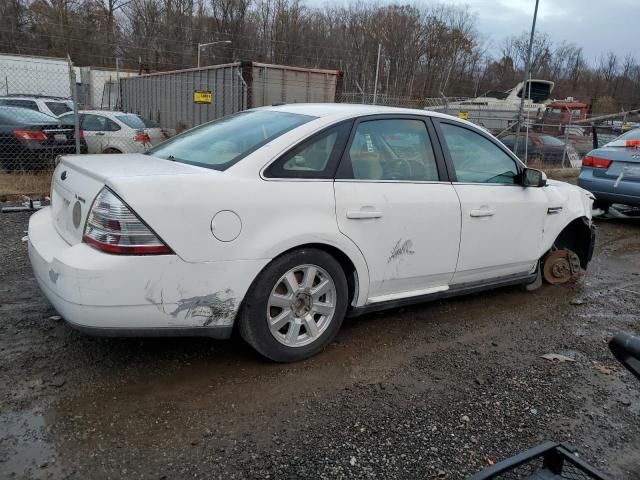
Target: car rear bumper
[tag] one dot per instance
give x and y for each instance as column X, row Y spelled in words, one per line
column 626, row 192
column 153, row 295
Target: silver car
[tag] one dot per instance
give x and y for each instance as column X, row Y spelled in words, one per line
column 612, row 173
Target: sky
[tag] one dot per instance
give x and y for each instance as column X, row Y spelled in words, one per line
column 595, row 25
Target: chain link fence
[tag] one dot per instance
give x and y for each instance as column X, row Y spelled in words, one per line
column 38, row 122
column 556, row 136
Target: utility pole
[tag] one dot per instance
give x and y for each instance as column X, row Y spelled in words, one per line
column 525, row 78
column 375, row 85
column 200, row 45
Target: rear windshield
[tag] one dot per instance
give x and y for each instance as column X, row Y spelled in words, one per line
column 136, row 121
column 630, row 135
column 548, row 140
column 221, row 143
column 11, row 115
column 58, row 108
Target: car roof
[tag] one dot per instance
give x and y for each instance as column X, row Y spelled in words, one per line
column 349, row 110
column 19, row 96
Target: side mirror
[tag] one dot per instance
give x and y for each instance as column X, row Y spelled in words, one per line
column 533, row 178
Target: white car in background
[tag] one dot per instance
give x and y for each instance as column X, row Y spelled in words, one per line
column 285, row 219
column 53, row 106
column 118, row 132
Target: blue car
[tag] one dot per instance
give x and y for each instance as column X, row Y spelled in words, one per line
column 612, row 172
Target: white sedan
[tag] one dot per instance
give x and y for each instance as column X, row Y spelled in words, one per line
column 284, row 219
column 118, row 132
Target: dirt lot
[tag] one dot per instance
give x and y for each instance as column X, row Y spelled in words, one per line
column 434, row 391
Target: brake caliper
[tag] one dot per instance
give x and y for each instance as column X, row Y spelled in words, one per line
column 560, row 266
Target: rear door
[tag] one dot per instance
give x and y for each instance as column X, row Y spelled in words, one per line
column 94, row 129
column 502, row 221
column 393, row 200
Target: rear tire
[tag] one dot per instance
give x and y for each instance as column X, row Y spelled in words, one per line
column 112, row 150
column 295, row 306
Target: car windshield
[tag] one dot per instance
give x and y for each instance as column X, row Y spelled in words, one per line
column 221, row 143
column 58, row 108
column 136, row 121
column 13, row 115
column 549, row 140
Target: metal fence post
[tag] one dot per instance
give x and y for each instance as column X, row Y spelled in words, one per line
column 74, row 94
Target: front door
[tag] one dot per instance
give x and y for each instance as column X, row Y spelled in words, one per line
column 393, row 202
column 502, row 221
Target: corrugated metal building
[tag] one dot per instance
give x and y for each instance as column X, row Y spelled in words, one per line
column 185, row 98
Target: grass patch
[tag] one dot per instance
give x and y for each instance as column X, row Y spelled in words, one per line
column 33, row 184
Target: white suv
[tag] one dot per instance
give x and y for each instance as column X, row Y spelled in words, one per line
column 54, row 106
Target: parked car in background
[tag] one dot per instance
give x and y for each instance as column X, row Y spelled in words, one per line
column 54, row 106
column 31, row 140
column 285, row 219
column 543, row 147
column 118, row 132
column 612, row 172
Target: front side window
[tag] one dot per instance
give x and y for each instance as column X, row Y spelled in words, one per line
column 476, row 159
column 314, row 158
column 394, row 149
column 94, row 123
column 221, row 143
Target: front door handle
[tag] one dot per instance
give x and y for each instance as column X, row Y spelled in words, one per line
column 100, row 133
column 363, row 214
column 482, row 212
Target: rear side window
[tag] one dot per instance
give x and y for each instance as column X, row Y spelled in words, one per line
column 477, row 159
column 10, row 102
column 58, row 108
column 221, row 143
column 314, row 158
column 393, row 149
column 132, row 121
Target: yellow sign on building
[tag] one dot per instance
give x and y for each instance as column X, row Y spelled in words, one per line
column 463, row 115
column 202, row 96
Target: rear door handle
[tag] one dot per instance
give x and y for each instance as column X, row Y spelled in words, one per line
column 100, row 133
column 363, row 214
column 482, row 212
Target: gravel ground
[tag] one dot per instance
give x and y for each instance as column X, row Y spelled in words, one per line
column 434, row 391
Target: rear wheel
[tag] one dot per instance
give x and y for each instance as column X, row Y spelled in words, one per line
column 296, row 306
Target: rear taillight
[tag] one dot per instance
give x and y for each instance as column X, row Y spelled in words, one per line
column 113, row 227
column 81, row 135
column 595, row 162
column 34, row 135
column 142, row 137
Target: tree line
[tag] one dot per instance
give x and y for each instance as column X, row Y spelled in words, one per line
column 427, row 50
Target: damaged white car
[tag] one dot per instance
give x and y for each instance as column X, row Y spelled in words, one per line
column 281, row 221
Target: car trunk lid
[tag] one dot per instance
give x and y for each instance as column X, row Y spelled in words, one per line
column 625, row 163
column 77, row 180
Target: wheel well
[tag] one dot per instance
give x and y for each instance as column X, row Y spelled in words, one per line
column 345, row 262
column 577, row 237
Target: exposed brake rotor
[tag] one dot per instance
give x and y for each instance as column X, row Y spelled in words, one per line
column 560, row 266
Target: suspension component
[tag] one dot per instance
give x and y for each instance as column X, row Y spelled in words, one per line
column 560, row 266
